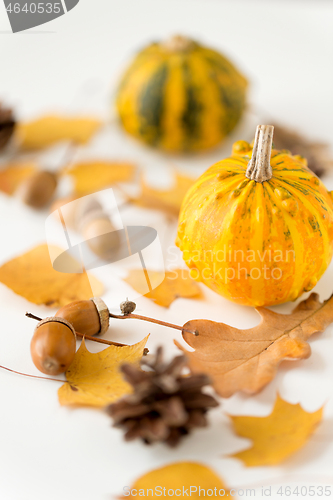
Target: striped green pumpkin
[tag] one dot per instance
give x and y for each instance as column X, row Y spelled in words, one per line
column 181, row 96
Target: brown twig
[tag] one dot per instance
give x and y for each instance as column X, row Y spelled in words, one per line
column 32, row 376
column 152, row 320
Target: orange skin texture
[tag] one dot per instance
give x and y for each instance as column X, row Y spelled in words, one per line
column 53, row 348
column 257, row 243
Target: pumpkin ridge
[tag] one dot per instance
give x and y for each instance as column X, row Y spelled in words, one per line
column 174, row 101
column 228, row 114
column 298, row 247
column 127, row 101
column 190, row 117
column 272, row 207
column 314, row 213
column 151, row 112
column 211, row 113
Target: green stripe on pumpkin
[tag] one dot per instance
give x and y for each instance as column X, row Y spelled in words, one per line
column 150, row 105
column 232, row 98
column 191, row 117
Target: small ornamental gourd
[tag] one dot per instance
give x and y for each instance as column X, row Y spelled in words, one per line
column 257, row 227
column 180, row 96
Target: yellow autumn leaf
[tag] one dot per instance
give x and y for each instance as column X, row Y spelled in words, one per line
column 94, row 379
column 180, row 479
column 277, row 436
column 13, row 174
column 169, row 200
column 32, row 276
column 50, row 129
column 177, row 283
column 93, row 176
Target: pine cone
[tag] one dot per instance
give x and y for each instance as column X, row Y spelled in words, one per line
column 164, row 405
column 7, row 125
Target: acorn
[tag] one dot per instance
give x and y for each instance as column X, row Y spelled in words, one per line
column 84, row 207
column 53, row 345
column 38, row 189
column 7, row 125
column 100, row 235
column 89, row 317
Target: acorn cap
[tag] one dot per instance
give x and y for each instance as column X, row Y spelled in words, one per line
column 53, row 319
column 103, row 313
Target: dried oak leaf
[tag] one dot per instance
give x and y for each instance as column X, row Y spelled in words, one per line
column 247, row 360
column 95, row 379
column 50, row 129
column 176, row 283
column 93, row 176
column 184, row 479
column 169, row 200
column 32, row 276
column 276, row 436
column 317, row 153
column 14, row 174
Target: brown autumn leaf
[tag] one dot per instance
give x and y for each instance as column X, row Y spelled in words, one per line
column 317, row 153
column 95, row 379
column 50, row 129
column 92, row 176
column 276, row 436
column 169, row 200
column 247, row 360
column 32, row 276
column 14, row 174
column 176, row 283
column 184, row 480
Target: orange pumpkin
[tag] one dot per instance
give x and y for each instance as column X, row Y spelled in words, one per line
column 257, row 227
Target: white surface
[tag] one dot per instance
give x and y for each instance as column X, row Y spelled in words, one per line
column 286, row 50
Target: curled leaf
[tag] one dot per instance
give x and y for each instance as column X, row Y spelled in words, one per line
column 276, row 436
column 176, row 283
column 50, row 129
column 247, row 360
column 93, row 176
column 180, row 479
column 95, row 379
column 32, row 276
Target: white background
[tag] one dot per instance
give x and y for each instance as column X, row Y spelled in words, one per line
column 286, row 51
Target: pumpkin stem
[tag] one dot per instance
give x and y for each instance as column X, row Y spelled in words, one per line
column 178, row 43
column 259, row 167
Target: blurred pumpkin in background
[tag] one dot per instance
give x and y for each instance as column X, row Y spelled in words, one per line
column 181, row 96
column 257, row 227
